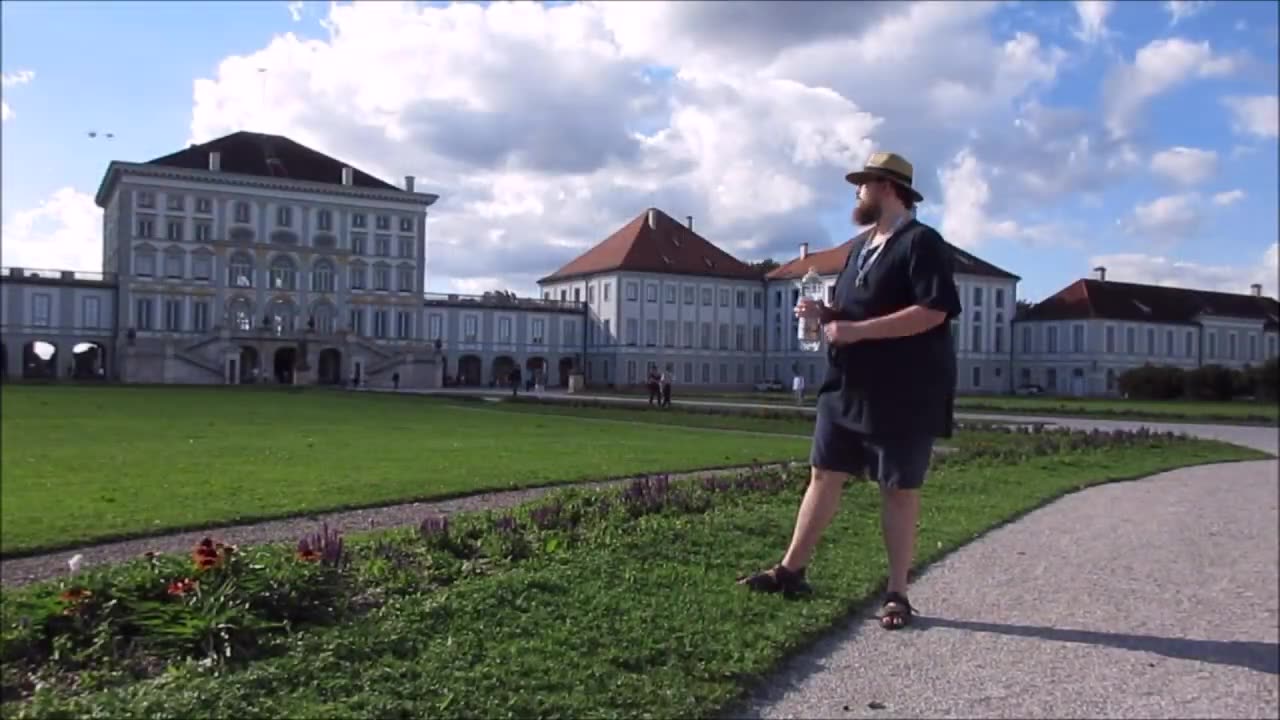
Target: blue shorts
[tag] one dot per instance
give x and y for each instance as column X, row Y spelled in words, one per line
column 898, row 463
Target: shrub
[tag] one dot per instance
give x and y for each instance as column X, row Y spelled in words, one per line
column 1151, row 382
column 1265, row 379
column 1210, row 382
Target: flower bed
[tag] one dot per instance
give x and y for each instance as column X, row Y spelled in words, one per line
column 224, row 606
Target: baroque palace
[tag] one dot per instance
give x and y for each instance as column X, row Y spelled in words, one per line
column 252, row 258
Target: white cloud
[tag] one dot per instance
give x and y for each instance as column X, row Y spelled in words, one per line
column 1157, row 68
column 1092, row 15
column 1180, row 10
column 1162, row 270
column 295, row 10
column 1229, row 197
column 1185, row 165
column 1255, row 115
column 966, row 219
column 1166, row 219
column 14, row 79
column 64, row 232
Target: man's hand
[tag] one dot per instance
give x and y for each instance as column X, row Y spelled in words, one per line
column 844, row 332
column 811, row 309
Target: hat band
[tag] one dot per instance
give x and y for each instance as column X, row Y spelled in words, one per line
column 893, row 174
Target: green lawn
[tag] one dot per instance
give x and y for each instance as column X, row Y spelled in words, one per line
column 616, row 614
column 1242, row 412
column 84, row 464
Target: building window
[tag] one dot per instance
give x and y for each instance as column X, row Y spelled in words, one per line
column 142, row 313
column 406, row 224
column 404, row 279
column 577, row 294
column 1188, row 344
column 1271, row 346
column 504, row 329
column 204, row 232
column 1168, row 343
column 688, row 296
column 404, row 325
column 324, row 220
column 176, row 203
column 200, row 316
column 146, row 200
column 1026, row 339
column 724, row 336
column 240, row 271
column 283, row 275
column 174, row 230
column 538, row 331
column 999, row 339
column 382, row 245
column 724, row 374
column 1253, row 346
column 999, row 297
column 470, row 328
column 650, row 332
column 706, row 299
column 324, row 316
column 357, row 277
column 383, row 222
column 146, row 228
column 757, row 300
column 406, row 248
column 172, row 265
column 706, row 373
column 724, row 297
column 669, row 333
column 1051, row 379
column 1231, row 346
column 356, row 319
column 359, row 220
column 740, row 336
column 380, row 324
column 1077, row 338
column 633, row 329
column 569, row 335
column 976, row 340
column 1213, row 345
column 756, row 333
column 284, row 217
column 604, row 292
column 1051, row 339
column 172, row 315
column 688, row 333
column 740, row 298
column 1111, row 380
column 41, row 310
column 633, row 291
column 671, row 294
column 1151, row 341
column 631, row 372
column 1130, row 341
column 144, row 264
column 91, row 311
column 359, row 242
column 204, row 206
column 706, row 336
column 977, row 297
column 322, row 277
column 242, row 212
column 381, row 277
column 977, row 376
column 688, row 372
column 435, row 327
column 1110, row 333
column 651, row 293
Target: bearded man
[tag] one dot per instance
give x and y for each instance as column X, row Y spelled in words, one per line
column 890, row 383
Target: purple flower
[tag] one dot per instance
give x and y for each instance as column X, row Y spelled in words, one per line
column 434, row 525
column 324, row 547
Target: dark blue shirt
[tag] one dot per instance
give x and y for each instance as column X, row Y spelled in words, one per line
column 895, row 387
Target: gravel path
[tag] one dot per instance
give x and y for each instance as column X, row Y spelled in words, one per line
column 1148, row 599
column 20, row 571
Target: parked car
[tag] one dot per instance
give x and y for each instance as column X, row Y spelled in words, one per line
column 770, row 386
column 1030, row 389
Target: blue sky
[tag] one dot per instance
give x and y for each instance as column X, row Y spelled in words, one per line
column 142, row 89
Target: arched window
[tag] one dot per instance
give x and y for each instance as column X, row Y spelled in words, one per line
column 358, row 276
column 240, row 271
column 240, row 313
column 284, row 274
column 322, row 276
column 282, row 315
column 325, row 317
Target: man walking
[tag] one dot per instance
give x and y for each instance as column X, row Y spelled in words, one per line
column 664, row 381
column 891, row 378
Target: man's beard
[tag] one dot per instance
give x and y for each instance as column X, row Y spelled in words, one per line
column 867, row 213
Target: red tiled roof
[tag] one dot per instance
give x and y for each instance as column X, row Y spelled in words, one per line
column 831, row 262
column 1088, row 298
column 670, row 247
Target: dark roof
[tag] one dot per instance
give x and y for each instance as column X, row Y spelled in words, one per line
column 669, row 247
column 831, row 262
column 1106, row 299
column 249, row 153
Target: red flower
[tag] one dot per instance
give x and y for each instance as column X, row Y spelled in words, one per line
column 209, row 554
column 179, row 588
column 75, row 595
column 308, row 555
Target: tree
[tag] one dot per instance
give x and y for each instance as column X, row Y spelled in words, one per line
column 1021, row 308
column 765, row 266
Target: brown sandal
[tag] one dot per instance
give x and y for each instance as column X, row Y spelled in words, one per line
column 896, row 611
column 778, row 579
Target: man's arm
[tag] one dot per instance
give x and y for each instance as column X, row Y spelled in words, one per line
column 903, row 323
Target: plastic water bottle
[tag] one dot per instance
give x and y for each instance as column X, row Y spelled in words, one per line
column 810, row 329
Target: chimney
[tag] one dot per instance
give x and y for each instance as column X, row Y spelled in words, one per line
column 1101, row 273
column 215, row 161
column 689, row 221
column 653, row 219
column 408, row 183
column 347, row 175
column 804, row 250
column 1257, row 289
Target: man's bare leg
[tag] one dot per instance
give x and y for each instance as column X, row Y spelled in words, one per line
column 821, row 500
column 899, row 510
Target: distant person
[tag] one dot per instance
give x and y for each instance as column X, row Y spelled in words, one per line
column 395, row 380
column 797, row 387
column 665, row 383
column 540, row 380
column 891, row 379
column 514, row 379
column 652, row 382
